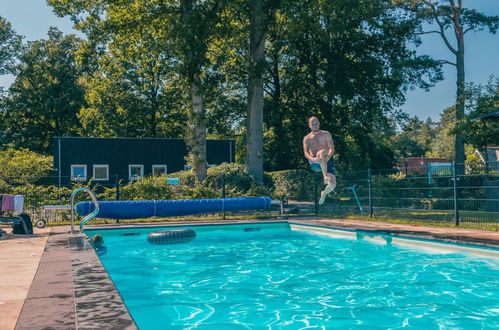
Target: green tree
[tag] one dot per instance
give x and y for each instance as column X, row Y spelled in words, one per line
column 10, row 46
column 443, row 143
column 482, row 100
column 132, row 91
column 261, row 15
column 416, row 137
column 23, row 166
column 186, row 26
column 447, row 15
column 347, row 63
column 46, row 95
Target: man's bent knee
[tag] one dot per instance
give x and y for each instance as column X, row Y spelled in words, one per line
column 321, row 154
column 332, row 178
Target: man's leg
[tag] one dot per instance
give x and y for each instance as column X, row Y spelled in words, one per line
column 330, row 187
column 323, row 163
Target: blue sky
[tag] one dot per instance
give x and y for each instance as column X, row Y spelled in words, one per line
column 32, row 18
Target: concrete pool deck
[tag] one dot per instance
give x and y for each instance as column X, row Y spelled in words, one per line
column 47, row 283
column 19, row 259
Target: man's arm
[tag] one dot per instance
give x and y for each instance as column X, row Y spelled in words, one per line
column 330, row 145
column 306, row 150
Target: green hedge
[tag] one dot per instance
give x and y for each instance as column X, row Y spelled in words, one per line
column 293, row 184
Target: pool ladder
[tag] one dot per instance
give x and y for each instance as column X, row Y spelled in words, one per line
column 88, row 217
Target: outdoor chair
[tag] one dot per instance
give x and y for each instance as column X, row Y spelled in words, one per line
column 20, row 224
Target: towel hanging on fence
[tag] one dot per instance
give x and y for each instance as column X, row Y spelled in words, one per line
column 18, row 204
column 7, row 203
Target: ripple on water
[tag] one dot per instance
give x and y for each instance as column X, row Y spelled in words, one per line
column 285, row 279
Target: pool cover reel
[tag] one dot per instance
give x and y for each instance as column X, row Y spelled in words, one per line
column 172, row 208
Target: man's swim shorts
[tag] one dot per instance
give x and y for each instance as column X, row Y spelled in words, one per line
column 316, row 167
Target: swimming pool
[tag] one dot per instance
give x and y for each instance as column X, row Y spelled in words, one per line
column 256, row 276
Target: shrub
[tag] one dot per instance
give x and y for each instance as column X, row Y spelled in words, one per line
column 294, row 184
column 22, row 166
column 238, row 182
column 148, row 188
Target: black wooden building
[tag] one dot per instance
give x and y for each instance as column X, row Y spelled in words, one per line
column 104, row 159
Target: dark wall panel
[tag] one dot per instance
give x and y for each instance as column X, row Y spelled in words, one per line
column 118, row 153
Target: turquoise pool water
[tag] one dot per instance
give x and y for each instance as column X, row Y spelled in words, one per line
column 278, row 278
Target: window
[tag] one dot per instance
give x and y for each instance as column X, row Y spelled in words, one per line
column 78, row 172
column 158, row 170
column 135, row 171
column 101, row 172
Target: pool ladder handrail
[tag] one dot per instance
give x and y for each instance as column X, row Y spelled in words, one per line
column 88, row 217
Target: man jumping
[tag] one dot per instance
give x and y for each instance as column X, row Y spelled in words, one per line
column 318, row 148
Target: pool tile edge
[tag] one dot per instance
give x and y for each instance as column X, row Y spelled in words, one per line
column 387, row 237
column 98, row 304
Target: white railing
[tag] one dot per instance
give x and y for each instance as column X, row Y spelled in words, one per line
column 88, row 217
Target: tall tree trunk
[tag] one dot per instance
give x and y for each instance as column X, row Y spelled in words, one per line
column 254, row 130
column 459, row 143
column 198, row 139
column 153, row 122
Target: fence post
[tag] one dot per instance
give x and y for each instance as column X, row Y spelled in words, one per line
column 369, row 181
column 316, row 201
column 223, row 192
column 117, row 186
column 223, row 185
column 456, row 206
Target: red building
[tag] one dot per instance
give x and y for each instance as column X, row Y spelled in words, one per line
column 418, row 165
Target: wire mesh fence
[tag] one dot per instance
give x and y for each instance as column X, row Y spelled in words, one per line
column 450, row 194
column 436, row 194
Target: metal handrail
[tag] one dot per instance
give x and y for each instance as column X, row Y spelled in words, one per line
column 88, row 217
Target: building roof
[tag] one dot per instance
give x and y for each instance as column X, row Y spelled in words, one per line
column 492, row 153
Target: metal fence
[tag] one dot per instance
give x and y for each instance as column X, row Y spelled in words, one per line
column 436, row 194
column 47, row 200
column 430, row 193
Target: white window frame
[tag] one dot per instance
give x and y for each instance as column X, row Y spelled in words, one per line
column 130, row 171
column 159, row 166
column 107, row 172
column 76, row 178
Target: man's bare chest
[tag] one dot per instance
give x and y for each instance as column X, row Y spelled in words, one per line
column 319, row 140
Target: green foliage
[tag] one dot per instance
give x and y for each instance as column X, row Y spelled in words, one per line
column 23, row 166
column 153, row 49
column 46, row 96
column 10, row 46
column 443, row 144
column 293, row 184
column 416, row 138
column 148, row 188
column 130, row 94
column 482, row 100
column 347, row 63
column 238, row 182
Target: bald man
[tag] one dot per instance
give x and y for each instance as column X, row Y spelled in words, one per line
column 318, row 148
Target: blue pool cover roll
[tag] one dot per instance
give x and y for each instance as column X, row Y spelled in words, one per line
column 171, row 208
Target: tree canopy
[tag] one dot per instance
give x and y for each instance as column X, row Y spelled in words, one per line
column 253, row 71
column 46, row 96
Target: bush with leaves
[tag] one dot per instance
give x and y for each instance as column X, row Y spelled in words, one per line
column 294, row 184
column 148, row 188
column 238, row 182
column 23, row 166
